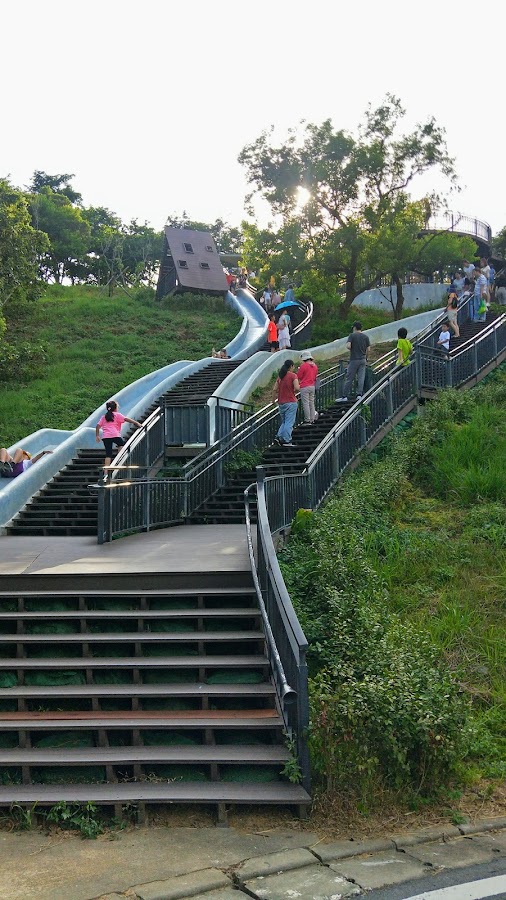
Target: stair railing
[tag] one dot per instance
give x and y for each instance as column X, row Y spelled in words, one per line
column 286, row 642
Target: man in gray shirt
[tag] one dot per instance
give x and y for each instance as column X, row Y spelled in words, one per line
column 358, row 345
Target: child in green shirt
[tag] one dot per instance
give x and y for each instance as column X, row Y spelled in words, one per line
column 404, row 347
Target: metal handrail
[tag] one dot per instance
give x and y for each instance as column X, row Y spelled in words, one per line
column 288, row 694
column 132, row 442
column 305, row 322
column 287, row 642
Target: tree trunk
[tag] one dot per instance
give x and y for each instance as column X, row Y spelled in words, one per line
column 399, row 303
column 351, row 291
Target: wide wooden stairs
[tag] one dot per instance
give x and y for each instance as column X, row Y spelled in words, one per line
column 65, row 506
column 126, row 695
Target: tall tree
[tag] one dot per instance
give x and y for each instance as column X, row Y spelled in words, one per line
column 20, row 247
column 67, row 230
column 104, row 246
column 347, row 193
column 59, row 184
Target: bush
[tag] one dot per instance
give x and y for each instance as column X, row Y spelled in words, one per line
column 22, row 362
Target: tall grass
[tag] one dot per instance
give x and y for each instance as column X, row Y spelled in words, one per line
column 471, row 465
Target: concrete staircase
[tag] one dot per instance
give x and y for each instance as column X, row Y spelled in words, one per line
column 131, row 695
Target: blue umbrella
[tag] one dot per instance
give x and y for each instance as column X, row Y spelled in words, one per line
column 287, row 303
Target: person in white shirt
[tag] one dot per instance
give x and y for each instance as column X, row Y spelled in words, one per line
column 468, row 268
column 444, row 338
column 485, row 268
column 480, row 296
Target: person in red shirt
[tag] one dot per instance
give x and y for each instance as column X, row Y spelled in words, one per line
column 284, row 392
column 307, row 375
column 272, row 334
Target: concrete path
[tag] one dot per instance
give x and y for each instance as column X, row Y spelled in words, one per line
column 201, row 548
column 167, row 863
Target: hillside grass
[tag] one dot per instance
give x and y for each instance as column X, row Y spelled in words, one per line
column 89, row 346
column 400, row 584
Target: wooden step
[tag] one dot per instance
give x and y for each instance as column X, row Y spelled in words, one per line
column 239, row 754
column 273, row 793
column 117, row 637
column 153, row 614
column 151, row 592
column 187, row 689
column 186, row 718
column 138, row 662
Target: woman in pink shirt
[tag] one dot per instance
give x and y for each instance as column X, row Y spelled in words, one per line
column 307, row 375
column 111, row 423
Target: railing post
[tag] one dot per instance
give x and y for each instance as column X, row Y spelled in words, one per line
column 336, row 456
column 146, row 504
column 495, row 342
column 475, row 358
column 109, row 514
column 186, row 496
column 418, row 369
column 101, row 515
column 390, row 400
column 448, row 373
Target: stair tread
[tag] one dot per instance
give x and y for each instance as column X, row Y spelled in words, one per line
column 161, row 792
column 242, row 612
column 136, row 662
column 151, row 592
column 136, row 690
column 192, row 718
column 186, row 753
column 96, row 637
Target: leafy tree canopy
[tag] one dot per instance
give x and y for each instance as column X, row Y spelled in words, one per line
column 20, row 247
column 499, row 244
column 59, row 184
column 67, row 230
column 346, row 196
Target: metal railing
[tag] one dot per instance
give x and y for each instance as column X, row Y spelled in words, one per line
column 454, row 221
column 286, row 643
column 229, row 414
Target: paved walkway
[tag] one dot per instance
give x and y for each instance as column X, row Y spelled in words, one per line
column 201, row 548
column 166, row 863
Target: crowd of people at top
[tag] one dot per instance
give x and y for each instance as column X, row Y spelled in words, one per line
column 476, row 282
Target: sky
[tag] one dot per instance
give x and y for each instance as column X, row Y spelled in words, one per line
column 149, row 104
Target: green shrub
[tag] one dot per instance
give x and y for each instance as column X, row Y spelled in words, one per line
column 404, row 701
column 21, row 362
column 243, row 460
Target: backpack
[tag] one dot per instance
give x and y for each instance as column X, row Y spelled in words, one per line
column 5, row 469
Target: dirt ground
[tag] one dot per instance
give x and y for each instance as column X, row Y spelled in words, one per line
column 336, row 818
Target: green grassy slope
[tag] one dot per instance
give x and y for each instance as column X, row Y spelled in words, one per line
column 399, row 582
column 95, row 345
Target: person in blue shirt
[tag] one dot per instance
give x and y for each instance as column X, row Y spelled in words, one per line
column 289, row 295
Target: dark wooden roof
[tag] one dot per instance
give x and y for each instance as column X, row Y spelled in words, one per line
column 203, row 269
